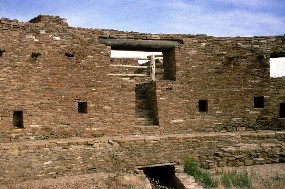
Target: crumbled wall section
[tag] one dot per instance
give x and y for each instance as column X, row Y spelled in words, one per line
column 48, row 67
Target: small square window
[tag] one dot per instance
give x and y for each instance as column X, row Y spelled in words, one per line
column 259, row 102
column 282, row 110
column 203, row 105
column 82, row 107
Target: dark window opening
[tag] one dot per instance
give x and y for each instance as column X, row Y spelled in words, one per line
column 169, row 65
column 277, row 54
column 18, row 119
column 1, row 52
column 203, row 105
column 281, row 158
column 259, row 102
column 82, row 107
column 70, row 55
column 35, row 55
column 282, row 110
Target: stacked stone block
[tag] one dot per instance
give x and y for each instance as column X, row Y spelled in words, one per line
column 47, row 68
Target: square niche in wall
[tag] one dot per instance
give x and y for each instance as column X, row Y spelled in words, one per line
column 18, row 121
column 203, row 105
column 259, row 102
column 82, row 107
column 282, row 110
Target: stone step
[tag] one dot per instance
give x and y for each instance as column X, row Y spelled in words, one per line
column 144, row 111
column 141, row 97
column 188, row 181
column 179, row 169
column 145, row 121
column 142, row 106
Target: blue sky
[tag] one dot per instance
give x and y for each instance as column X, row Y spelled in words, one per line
column 211, row 17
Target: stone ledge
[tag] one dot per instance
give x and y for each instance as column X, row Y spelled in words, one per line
column 138, row 139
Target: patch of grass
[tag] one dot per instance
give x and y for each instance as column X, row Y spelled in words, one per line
column 278, row 178
column 191, row 167
column 276, row 182
column 226, row 181
column 130, row 187
column 236, row 179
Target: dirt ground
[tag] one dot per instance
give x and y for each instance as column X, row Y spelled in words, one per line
column 265, row 171
column 265, row 176
column 261, row 175
column 87, row 181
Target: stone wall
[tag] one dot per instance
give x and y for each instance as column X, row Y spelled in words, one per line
column 74, row 66
column 52, row 158
column 48, row 67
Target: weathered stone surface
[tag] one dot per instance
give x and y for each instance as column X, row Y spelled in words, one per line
column 74, row 66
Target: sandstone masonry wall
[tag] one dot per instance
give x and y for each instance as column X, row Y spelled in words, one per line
column 53, row 158
column 73, row 66
column 47, row 68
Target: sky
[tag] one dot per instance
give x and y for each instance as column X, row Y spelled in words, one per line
column 277, row 67
column 211, row 17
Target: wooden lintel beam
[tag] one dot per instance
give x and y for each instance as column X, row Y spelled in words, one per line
column 139, row 43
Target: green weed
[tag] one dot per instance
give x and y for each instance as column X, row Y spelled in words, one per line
column 191, row 167
column 236, row 179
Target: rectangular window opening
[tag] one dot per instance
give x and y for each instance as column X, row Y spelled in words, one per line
column 203, row 105
column 277, row 65
column 70, row 55
column 167, row 47
column 82, row 107
column 259, row 102
column 127, row 63
column 282, row 110
column 137, row 63
column 18, row 119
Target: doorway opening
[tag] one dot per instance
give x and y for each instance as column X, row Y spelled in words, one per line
column 166, row 47
column 146, row 104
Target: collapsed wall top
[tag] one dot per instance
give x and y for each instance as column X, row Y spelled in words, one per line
column 49, row 19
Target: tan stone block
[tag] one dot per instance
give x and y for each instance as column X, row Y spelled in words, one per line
column 248, row 162
column 32, row 147
column 22, row 148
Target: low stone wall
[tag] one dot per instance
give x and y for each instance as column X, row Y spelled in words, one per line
column 51, row 158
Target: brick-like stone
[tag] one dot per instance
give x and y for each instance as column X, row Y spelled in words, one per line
column 120, row 130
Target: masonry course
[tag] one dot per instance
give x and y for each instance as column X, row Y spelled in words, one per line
column 47, row 68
